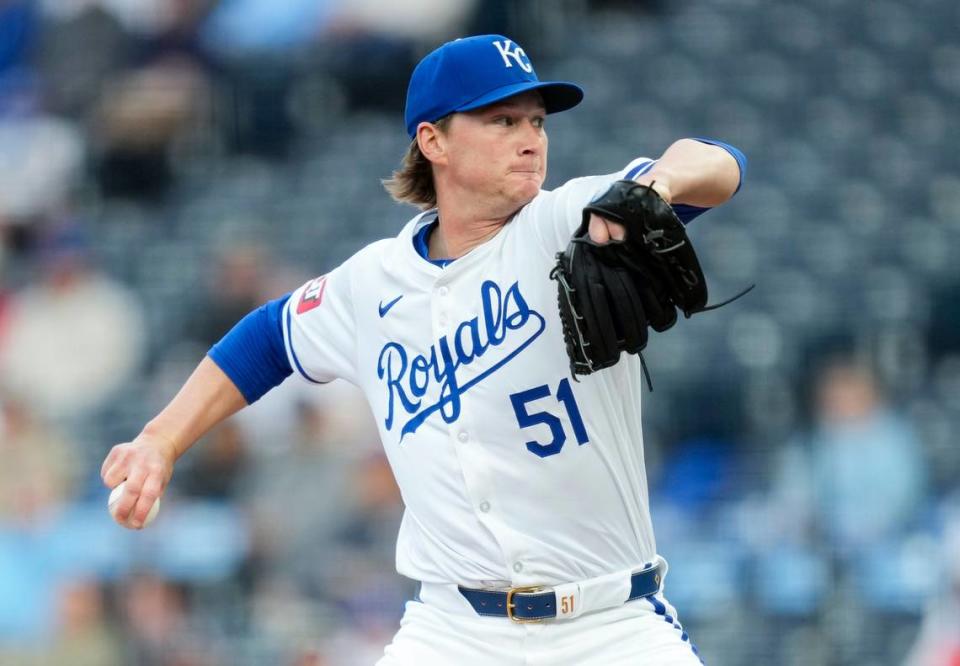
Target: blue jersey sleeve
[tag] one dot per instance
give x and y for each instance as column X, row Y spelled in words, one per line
column 735, row 152
column 687, row 213
column 252, row 354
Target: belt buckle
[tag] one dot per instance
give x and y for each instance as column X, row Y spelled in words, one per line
column 510, row 605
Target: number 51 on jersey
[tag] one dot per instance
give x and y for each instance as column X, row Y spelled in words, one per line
column 526, row 419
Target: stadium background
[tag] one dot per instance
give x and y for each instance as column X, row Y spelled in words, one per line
column 166, row 165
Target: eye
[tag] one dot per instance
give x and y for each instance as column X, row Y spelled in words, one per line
column 505, row 121
column 539, row 122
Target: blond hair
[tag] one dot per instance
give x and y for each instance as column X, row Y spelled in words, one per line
column 413, row 182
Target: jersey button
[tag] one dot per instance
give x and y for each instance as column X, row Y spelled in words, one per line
column 518, row 567
column 442, row 320
column 443, row 291
column 484, row 507
column 463, row 436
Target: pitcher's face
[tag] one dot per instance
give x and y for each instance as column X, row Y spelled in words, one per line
column 499, row 152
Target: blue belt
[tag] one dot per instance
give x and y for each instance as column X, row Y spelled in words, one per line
column 534, row 604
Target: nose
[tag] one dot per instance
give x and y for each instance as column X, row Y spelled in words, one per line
column 532, row 139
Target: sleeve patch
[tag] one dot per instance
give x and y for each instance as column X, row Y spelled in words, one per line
column 312, row 295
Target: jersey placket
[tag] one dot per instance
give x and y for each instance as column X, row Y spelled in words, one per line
column 465, row 434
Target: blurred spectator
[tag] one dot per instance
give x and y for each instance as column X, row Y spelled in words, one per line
column 18, row 27
column 283, row 614
column 237, row 285
column 257, row 44
column 84, row 636
column 938, row 643
column 89, row 46
column 75, row 337
column 364, row 586
column 698, row 477
column 315, row 471
column 217, row 469
column 140, row 117
column 421, row 21
column 135, row 15
column 860, row 475
column 256, row 106
column 144, row 19
column 82, row 47
column 373, row 512
column 39, row 467
column 370, row 47
column 156, row 623
column 247, row 27
column 367, row 48
column 136, row 71
column 18, row 36
column 318, row 425
column 40, row 162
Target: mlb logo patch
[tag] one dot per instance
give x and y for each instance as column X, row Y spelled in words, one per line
column 312, row 295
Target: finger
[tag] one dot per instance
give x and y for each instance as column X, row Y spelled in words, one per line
column 131, row 493
column 598, row 229
column 616, row 230
column 116, row 468
column 113, row 459
column 152, row 488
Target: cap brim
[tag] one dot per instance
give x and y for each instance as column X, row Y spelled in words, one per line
column 557, row 95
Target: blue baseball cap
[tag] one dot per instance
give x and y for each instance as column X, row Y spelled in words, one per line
column 475, row 71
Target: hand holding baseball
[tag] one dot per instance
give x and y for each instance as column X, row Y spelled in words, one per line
column 142, row 468
column 113, row 505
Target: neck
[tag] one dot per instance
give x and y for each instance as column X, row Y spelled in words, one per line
column 457, row 234
column 453, row 239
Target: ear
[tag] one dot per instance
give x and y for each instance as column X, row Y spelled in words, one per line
column 432, row 142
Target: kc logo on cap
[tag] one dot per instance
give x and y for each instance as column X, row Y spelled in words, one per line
column 472, row 72
column 518, row 54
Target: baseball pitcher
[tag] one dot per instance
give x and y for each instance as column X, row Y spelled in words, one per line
column 497, row 339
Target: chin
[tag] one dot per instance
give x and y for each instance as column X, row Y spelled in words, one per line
column 520, row 192
column 530, row 187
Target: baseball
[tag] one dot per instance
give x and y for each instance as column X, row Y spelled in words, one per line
column 114, row 502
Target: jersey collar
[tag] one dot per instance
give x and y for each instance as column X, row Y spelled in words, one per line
column 421, row 239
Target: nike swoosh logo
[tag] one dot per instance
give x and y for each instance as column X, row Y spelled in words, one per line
column 384, row 309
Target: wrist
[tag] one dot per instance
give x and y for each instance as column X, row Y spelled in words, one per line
column 166, row 444
column 661, row 182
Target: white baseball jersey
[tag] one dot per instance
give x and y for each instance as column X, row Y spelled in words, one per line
column 510, row 471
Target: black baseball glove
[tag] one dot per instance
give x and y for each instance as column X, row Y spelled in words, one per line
column 609, row 295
